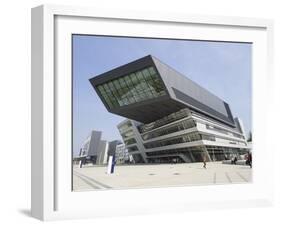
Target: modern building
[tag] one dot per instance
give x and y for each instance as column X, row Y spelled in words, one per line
column 122, row 154
column 95, row 150
column 103, row 152
column 90, row 146
column 112, row 147
column 169, row 117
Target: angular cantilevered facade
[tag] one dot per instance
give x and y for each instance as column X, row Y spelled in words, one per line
column 171, row 118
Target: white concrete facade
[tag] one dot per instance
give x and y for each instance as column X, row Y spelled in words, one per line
column 184, row 136
column 121, row 154
column 94, row 149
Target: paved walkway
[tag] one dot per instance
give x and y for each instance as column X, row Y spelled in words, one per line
column 141, row 176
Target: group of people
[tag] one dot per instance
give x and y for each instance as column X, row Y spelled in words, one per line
column 233, row 160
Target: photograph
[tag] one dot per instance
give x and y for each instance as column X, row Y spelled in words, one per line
column 159, row 112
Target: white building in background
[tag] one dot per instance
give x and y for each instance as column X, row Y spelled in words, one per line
column 121, row 154
column 95, row 150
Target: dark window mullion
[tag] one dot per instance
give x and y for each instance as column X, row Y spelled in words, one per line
column 117, row 89
column 123, row 90
column 112, row 95
column 107, row 100
column 147, row 90
column 132, row 86
column 105, row 96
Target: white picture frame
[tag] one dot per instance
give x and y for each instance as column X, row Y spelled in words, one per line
column 52, row 197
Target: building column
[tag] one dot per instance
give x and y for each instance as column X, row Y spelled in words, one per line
column 205, row 151
column 139, row 141
column 192, row 157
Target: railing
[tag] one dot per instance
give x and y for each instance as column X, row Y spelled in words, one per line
column 165, row 120
column 182, row 125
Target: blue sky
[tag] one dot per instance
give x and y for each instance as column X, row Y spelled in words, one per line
column 222, row 68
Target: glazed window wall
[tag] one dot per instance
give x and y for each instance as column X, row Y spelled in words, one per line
column 217, row 129
column 220, row 130
column 175, row 140
column 133, row 148
column 135, row 87
column 127, row 134
column 208, row 137
column 176, row 151
column 186, row 124
column 138, row 158
column 222, row 140
column 239, row 136
column 124, row 127
column 224, row 153
column 130, row 141
column 165, row 120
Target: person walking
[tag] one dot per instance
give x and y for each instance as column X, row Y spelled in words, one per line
column 235, row 160
column 204, row 161
column 250, row 159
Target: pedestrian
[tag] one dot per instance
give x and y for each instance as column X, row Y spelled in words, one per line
column 204, row 161
column 250, row 159
column 235, row 160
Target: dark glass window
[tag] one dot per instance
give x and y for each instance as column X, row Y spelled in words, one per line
column 133, row 148
column 194, row 136
column 130, row 141
column 152, row 70
column 135, row 87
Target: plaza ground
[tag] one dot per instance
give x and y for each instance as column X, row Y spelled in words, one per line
column 143, row 176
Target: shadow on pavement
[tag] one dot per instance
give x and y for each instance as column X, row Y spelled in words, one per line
column 25, row 212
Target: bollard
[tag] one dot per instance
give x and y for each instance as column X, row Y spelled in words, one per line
column 111, row 164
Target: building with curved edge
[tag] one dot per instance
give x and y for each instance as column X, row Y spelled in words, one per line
column 169, row 117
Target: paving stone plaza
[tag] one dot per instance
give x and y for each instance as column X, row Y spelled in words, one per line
column 159, row 175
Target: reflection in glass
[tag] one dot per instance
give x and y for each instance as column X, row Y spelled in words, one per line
column 135, row 87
